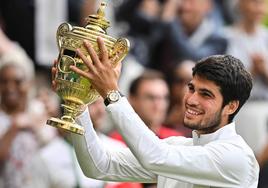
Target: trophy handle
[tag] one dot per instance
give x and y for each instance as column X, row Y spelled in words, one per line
column 120, row 50
column 61, row 32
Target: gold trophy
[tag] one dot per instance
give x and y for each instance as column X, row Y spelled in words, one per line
column 75, row 90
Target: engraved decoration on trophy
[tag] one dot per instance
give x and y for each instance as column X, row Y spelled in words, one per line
column 75, row 90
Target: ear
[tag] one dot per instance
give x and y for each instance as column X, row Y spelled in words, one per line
column 231, row 107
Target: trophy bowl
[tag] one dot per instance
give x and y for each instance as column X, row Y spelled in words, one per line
column 74, row 90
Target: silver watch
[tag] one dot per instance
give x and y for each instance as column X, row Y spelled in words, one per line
column 112, row 97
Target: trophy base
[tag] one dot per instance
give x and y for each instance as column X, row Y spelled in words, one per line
column 65, row 125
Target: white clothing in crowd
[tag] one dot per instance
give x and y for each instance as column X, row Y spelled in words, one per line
column 242, row 46
column 56, row 166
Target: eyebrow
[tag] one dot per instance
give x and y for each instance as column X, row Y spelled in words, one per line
column 190, row 84
column 204, row 90
column 207, row 91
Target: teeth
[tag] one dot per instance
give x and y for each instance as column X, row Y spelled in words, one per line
column 192, row 112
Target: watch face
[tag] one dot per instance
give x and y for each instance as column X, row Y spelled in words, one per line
column 114, row 96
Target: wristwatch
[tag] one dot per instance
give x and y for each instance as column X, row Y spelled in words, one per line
column 112, row 97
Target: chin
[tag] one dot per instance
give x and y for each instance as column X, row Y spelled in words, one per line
column 190, row 125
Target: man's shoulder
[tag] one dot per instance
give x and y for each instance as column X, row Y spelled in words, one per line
column 234, row 154
column 233, row 148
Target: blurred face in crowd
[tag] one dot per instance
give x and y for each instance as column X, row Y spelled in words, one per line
column 192, row 12
column 203, row 106
column 151, row 101
column 13, row 87
column 182, row 76
column 253, row 10
column 50, row 100
column 150, row 7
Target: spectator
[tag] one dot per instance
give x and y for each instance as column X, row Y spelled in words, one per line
column 180, row 77
column 20, row 131
column 191, row 33
column 56, row 165
column 248, row 42
column 149, row 96
column 144, row 31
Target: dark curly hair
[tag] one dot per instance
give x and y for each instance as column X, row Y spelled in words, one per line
column 230, row 75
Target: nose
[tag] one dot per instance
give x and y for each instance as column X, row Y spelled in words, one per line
column 10, row 85
column 192, row 98
column 186, row 5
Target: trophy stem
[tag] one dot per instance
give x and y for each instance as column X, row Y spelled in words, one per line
column 71, row 110
column 67, row 122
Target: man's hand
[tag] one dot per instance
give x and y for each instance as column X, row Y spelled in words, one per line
column 53, row 75
column 258, row 67
column 102, row 74
column 170, row 10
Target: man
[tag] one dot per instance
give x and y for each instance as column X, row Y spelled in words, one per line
column 247, row 39
column 165, row 31
column 179, row 78
column 191, row 32
column 21, row 129
column 215, row 157
column 149, row 97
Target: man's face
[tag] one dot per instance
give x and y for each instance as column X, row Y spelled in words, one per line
column 192, row 12
column 203, row 106
column 253, row 10
column 182, row 76
column 13, row 86
column 151, row 101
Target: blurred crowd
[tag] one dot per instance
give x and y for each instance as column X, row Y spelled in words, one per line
column 167, row 38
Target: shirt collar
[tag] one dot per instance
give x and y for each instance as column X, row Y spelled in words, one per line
column 223, row 133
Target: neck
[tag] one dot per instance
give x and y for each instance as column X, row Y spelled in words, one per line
column 189, row 31
column 248, row 27
column 208, row 130
column 11, row 110
column 215, row 127
column 154, row 127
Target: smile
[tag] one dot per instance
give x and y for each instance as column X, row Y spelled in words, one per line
column 192, row 112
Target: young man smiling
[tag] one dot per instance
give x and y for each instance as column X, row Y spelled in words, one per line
column 215, row 157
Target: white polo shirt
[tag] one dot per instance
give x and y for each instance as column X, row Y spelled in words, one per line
column 219, row 159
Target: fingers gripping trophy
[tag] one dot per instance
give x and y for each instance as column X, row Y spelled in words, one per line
column 77, row 91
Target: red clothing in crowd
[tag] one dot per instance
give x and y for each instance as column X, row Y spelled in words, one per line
column 163, row 132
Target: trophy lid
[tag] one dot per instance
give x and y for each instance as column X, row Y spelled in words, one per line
column 98, row 22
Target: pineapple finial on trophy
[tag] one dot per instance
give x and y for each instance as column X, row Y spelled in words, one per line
column 100, row 11
column 98, row 21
